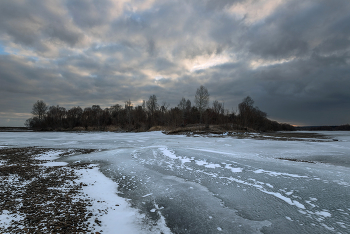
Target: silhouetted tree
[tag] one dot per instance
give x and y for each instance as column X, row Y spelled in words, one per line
column 245, row 110
column 182, row 108
column 74, row 116
column 39, row 109
column 202, row 100
column 128, row 111
column 150, row 114
column 152, row 107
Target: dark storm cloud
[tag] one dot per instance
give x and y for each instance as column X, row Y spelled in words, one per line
column 291, row 57
column 34, row 22
column 301, row 27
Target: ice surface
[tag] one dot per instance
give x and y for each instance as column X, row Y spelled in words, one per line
column 201, row 184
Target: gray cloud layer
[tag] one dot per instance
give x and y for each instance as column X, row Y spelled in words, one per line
column 291, row 57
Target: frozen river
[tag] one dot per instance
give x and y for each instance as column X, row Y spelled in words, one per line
column 220, row 184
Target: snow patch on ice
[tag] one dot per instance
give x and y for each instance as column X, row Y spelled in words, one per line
column 212, row 165
column 233, row 169
column 278, row 195
column 212, row 151
column 286, row 199
column 310, row 203
column 185, row 160
column 168, row 153
column 274, row 173
column 323, row 213
column 327, row 227
column 201, row 162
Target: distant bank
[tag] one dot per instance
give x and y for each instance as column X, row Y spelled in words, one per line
column 15, row 129
column 345, row 127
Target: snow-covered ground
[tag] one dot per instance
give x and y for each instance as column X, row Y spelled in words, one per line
column 209, row 184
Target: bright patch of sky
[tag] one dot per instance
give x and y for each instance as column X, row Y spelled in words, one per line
column 263, row 63
column 2, row 49
column 213, row 61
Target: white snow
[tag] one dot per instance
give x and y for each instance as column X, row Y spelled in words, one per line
column 168, row 153
column 201, row 162
column 274, row 173
column 118, row 217
column 212, row 165
column 286, row 199
column 6, row 217
column 54, row 164
column 323, row 213
column 51, row 155
column 234, row 169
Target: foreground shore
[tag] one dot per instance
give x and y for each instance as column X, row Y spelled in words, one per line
column 40, row 195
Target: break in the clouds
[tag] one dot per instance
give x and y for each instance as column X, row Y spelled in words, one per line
column 291, row 57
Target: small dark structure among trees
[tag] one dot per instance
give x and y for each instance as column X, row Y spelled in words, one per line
column 151, row 114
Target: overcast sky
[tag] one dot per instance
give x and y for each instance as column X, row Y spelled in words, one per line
column 292, row 57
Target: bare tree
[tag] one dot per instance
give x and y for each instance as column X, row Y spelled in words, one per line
column 245, row 110
column 218, row 107
column 182, row 104
column 188, row 105
column 164, row 107
column 182, row 107
column 39, row 109
column 74, row 116
column 128, row 109
column 201, row 100
column 152, row 104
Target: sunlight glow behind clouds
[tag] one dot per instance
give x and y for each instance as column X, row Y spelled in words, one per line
column 263, row 63
column 202, row 63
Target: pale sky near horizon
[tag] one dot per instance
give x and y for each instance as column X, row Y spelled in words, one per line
column 291, row 56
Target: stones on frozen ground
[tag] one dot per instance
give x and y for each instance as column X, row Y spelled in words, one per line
column 45, row 197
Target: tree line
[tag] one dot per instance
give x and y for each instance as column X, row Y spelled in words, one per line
column 128, row 117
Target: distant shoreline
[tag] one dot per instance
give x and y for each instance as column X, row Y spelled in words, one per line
column 345, row 127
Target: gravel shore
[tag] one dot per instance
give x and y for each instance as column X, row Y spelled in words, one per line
column 39, row 196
